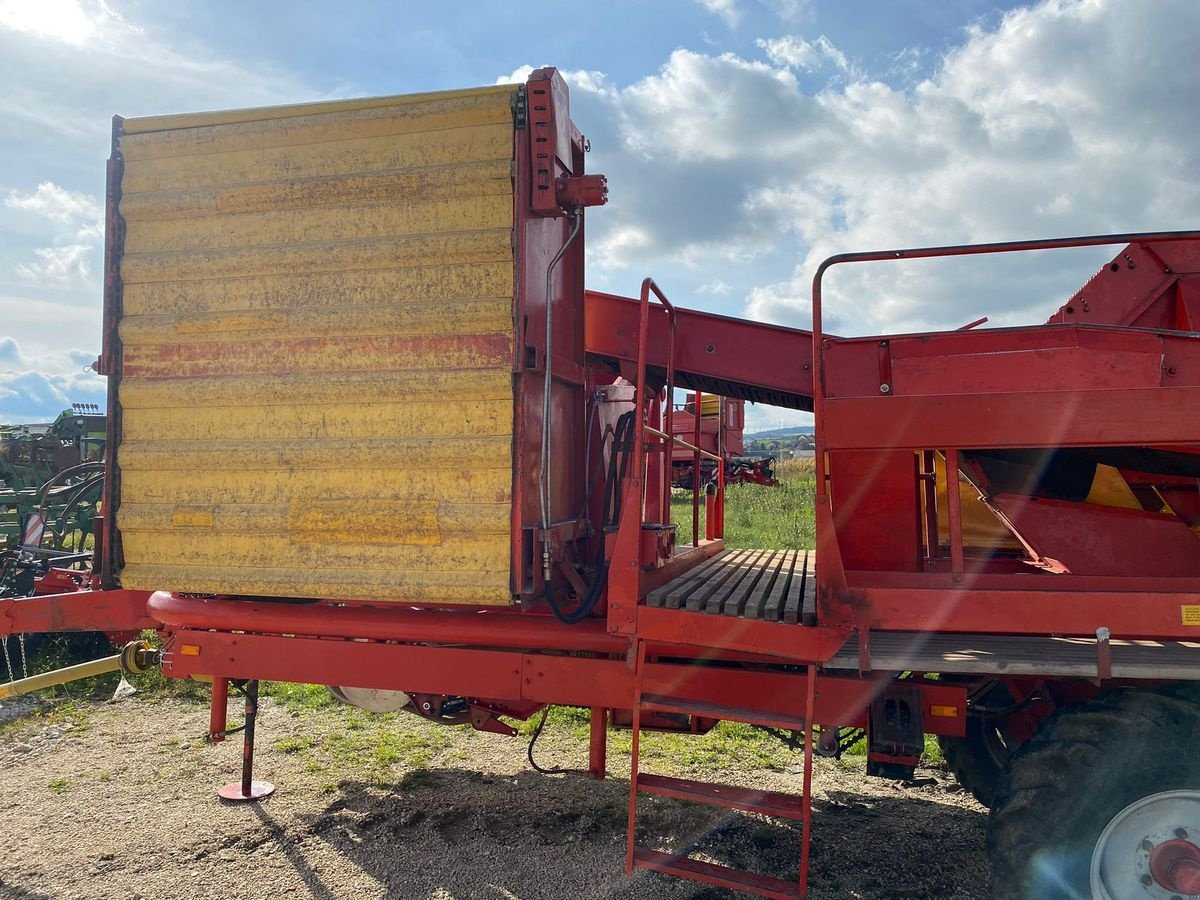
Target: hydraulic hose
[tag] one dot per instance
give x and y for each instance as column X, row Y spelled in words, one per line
column 612, row 510
column 544, row 480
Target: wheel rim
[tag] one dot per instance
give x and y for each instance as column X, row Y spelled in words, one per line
column 1149, row 850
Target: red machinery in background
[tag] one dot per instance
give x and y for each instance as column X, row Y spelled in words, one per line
column 1053, row 648
column 717, row 430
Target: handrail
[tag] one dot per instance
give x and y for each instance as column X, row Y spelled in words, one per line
column 697, row 426
column 667, row 435
column 1095, row 240
column 639, row 436
column 654, row 432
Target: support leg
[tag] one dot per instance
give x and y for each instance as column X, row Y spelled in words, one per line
column 248, row 788
column 598, row 747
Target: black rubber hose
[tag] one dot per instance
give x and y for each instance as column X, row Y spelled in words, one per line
column 587, row 603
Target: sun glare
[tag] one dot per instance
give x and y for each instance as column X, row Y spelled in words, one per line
column 70, row 21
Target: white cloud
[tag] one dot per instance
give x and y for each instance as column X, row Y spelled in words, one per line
column 716, row 287
column 76, row 242
column 10, row 354
column 519, row 75
column 1055, row 121
column 36, row 390
column 797, row 53
column 59, row 204
column 726, row 9
column 39, row 397
column 789, row 10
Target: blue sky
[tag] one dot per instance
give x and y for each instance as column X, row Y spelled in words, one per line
column 744, row 140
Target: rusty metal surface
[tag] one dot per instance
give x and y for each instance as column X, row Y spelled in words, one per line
column 316, row 340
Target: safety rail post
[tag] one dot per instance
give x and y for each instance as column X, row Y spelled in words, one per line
column 719, row 517
column 639, row 436
column 818, row 338
column 625, row 569
column 954, row 514
column 698, row 410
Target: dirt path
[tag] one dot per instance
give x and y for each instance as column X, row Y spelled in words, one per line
column 117, row 801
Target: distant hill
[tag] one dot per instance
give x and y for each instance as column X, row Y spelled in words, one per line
column 779, row 433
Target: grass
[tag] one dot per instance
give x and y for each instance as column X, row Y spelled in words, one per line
column 769, row 518
column 380, row 743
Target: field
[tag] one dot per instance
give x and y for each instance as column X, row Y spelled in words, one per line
column 116, row 800
column 764, row 518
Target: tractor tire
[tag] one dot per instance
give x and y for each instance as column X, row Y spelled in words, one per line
column 1063, row 793
column 978, row 759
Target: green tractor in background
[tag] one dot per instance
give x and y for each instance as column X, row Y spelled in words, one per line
column 51, row 477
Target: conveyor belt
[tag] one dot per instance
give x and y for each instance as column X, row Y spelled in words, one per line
column 771, row 585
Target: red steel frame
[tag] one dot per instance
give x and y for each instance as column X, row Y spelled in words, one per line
column 1023, row 409
column 986, row 602
column 895, row 600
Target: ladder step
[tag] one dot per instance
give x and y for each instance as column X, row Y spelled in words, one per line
column 659, row 703
column 711, row 873
column 771, row 803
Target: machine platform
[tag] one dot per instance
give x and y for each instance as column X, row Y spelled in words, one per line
column 768, row 585
column 1029, row 655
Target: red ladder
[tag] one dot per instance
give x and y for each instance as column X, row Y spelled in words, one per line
column 771, row 803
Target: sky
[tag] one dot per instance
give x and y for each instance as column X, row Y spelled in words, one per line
column 743, row 140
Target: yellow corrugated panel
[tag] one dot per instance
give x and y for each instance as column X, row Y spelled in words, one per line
column 438, row 317
column 318, row 335
column 332, row 290
column 319, row 389
column 454, row 250
column 296, row 226
column 354, row 156
column 474, row 103
column 434, row 183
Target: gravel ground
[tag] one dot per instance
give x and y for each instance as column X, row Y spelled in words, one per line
column 117, row 801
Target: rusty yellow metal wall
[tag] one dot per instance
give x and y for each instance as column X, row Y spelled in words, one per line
column 316, row 384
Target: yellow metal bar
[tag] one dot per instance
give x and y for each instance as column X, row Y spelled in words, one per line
column 60, row 676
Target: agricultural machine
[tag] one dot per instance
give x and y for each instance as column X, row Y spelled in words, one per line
column 714, row 437
column 51, row 476
column 1006, row 552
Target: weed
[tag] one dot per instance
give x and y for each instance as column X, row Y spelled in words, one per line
column 418, row 759
column 933, row 753
column 60, row 786
column 300, row 696
column 381, row 744
column 296, row 744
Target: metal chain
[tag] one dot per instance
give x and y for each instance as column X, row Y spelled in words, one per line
column 24, row 661
column 8, row 660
